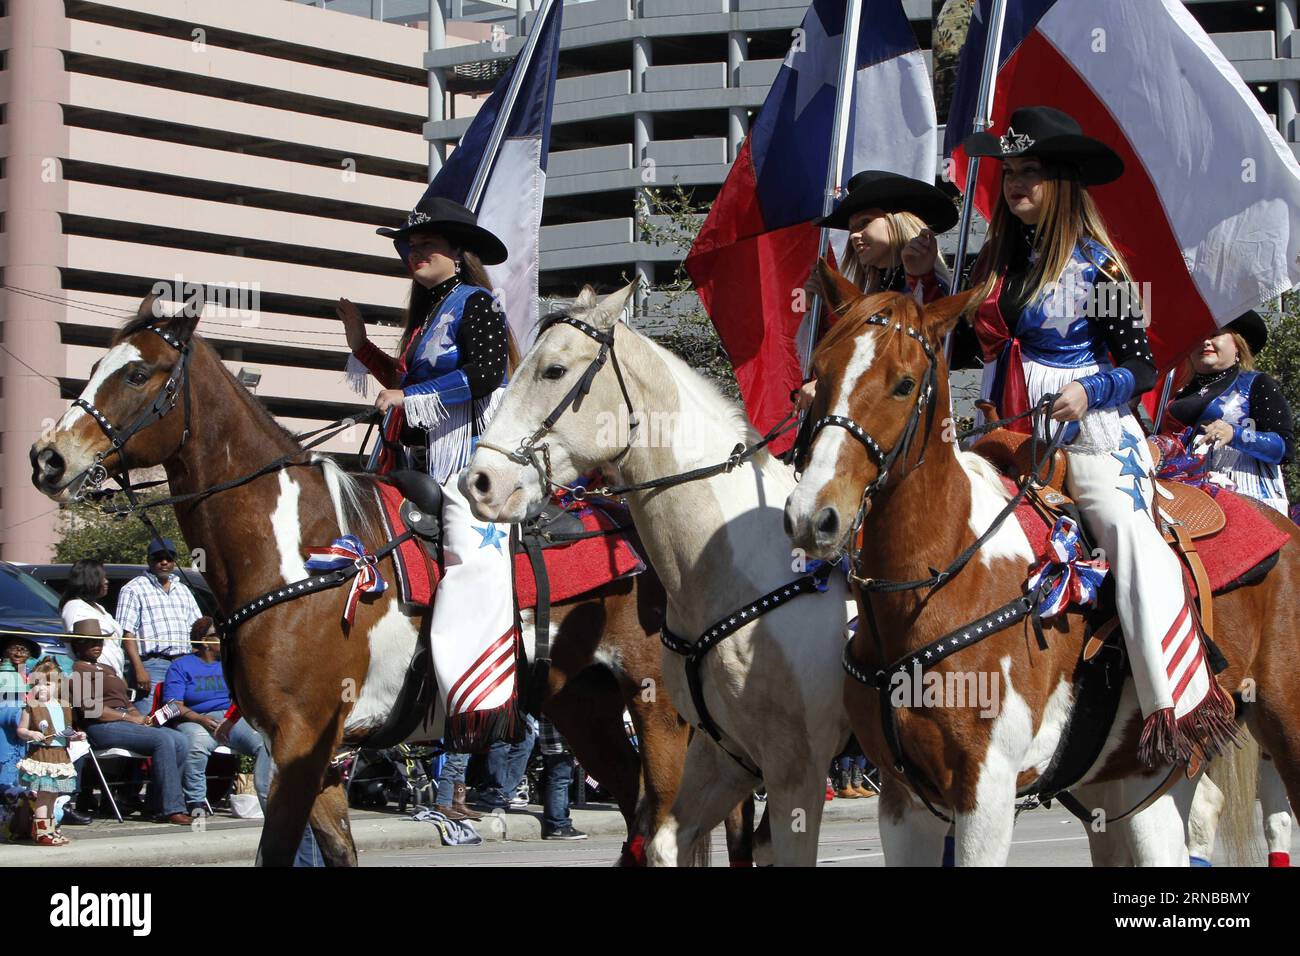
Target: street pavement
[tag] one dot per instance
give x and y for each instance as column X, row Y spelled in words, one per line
column 849, row 837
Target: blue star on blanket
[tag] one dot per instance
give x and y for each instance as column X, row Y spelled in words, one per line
column 491, row 535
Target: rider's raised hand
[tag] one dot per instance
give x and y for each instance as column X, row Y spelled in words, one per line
column 920, row 254
column 353, row 325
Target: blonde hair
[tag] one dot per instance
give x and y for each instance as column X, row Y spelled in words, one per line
column 1069, row 214
column 50, row 667
column 903, row 227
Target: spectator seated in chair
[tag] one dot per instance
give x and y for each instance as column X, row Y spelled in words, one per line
column 196, row 684
column 106, row 715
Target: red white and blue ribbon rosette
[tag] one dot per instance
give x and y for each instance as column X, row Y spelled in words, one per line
column 346, row 551
column 1066, row 576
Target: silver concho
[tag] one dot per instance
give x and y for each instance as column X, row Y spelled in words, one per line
column 416, row 218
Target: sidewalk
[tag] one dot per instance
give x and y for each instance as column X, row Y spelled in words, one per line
column 225, row 839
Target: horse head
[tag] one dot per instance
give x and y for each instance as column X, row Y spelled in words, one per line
column 122, row 419
column 881, row 376
column 553, row 422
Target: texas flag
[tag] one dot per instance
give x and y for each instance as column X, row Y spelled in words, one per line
column 757, row 246
column 510, row 206
column 1208, row 208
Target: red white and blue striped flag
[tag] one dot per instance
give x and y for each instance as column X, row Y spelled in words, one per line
column 757, row 246
column 1208, row 209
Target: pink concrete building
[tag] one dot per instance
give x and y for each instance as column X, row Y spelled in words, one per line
column 249, row 145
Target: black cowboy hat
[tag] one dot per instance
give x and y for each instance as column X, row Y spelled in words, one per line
column 34, row 650
column 877, row 189
column 454, row 222
column 1251, row 327
column 1053, row 136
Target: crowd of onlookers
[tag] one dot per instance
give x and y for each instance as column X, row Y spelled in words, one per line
column 148, row 680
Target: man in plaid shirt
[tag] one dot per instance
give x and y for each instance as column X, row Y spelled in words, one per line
column 156, row 611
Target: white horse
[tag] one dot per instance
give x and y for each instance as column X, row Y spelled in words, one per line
column 774, row 687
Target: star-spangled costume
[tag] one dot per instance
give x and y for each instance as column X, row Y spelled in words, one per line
column 452, row 373
column 1083, row 327
column 1263, row 436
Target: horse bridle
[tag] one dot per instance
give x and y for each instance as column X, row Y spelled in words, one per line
column 529, row 452
column 883, row 460
column 178, row 380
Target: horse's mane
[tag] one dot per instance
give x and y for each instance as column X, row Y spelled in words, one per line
column 979, row 467
column 135, row 323
column 727, row 410
column 863, row 309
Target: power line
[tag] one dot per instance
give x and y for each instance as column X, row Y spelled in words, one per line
column 52, row 381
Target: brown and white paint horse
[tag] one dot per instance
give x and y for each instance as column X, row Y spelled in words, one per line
column 299, row 677
column 925, row 515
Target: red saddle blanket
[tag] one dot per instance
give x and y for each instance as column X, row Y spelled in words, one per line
column 573, row 569
column 1246, row 539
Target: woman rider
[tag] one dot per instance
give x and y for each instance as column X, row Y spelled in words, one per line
column 1053, row 317
column 892, row 221
column 1240, row 413
column 438, row 395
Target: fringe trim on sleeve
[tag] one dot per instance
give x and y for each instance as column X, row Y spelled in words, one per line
column 358, row 376
column 424, row 411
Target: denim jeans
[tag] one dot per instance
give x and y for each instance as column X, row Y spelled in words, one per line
column 556, row 779
column 506, row 766
column 308, row 854
column 156, row 668
column 167, row 747
column 453, row 772
column 243, row 740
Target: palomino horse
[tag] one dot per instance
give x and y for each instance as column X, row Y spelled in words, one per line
column 936, row 501
column 302, row 680
column 772, row 687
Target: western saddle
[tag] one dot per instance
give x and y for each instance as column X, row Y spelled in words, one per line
column 1183, row 513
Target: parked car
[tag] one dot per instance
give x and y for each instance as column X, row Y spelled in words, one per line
column 28, row 605
column 56, row 576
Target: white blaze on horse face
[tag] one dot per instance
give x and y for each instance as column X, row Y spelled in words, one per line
column 287, row 530
column 392, row 644
column 824, row 461
column 117, row 358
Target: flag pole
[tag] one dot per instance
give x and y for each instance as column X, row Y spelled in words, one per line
column 839, row 143
column 524, row 58
column 1165, row 390
column 983, row 120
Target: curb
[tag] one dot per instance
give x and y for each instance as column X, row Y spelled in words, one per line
column 238, row 845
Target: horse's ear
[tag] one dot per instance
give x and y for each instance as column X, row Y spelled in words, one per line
column 836, row 291
column 941, row 315
column 586, row 300
column 612, row 307
column 181, row 323
column 150, row 307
